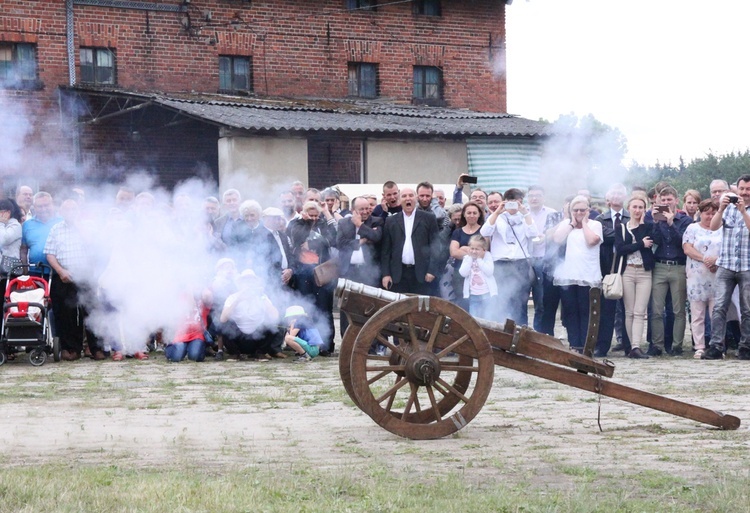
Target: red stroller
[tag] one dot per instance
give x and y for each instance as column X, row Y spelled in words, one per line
column 25, row 322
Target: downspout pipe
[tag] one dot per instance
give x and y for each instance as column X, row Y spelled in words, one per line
column 70, row 46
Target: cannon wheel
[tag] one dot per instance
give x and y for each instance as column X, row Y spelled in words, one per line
column 445, row 404
column 415, row 367
column 345, row 358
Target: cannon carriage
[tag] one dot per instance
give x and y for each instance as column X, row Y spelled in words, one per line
column 440, row 369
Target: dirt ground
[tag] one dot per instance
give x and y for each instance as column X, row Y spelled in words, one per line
column 224, row 414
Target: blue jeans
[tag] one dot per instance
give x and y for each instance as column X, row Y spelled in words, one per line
column 195, row 350
column 575, row 312
column 726, row 280
column 478, row 305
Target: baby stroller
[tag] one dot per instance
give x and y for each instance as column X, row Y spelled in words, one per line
column 25, row 321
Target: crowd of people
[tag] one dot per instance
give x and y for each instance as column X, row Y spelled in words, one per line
column 491, row 255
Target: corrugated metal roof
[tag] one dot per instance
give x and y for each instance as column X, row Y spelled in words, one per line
column 326, row 115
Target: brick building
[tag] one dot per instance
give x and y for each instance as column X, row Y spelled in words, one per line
column 325, row 91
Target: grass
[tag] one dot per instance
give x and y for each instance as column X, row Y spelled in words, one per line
column 535, row 446
column 371, row 488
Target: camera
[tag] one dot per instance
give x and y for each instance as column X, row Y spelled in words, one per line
column 511, row 205
column 734, row 199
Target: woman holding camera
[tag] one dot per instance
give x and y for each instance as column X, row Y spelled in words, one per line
column 580, row 269
column 635, row 263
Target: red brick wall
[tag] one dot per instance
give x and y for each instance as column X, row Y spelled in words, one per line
column 333, row 160
column 299, row 47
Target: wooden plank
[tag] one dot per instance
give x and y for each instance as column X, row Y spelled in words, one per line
column 607, row 388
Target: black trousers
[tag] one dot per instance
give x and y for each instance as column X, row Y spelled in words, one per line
column 236, row 342
column 408, row 284
column 70, row 317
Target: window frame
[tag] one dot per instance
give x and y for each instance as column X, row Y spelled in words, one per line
column 233, row 60
column 360, row 81
column 421, row 97
column 362, row 5
column 94, row 75
column 420, row 6
column 21, row 73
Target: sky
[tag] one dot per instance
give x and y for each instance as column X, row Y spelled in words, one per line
column 672, row 75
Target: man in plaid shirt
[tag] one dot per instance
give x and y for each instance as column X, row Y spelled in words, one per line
column 733, row 269
column 66, row 253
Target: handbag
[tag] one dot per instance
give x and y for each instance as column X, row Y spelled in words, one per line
column 8, row 263
column 612, row 283
column 326, row 272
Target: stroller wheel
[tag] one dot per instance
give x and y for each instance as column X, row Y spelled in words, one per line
column 56, row 353
column 3, row 357
column 37, row 357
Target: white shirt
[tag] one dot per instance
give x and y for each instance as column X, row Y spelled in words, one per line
column 581, row 264
column 407, row 256
column 509, row 247
column 540, row 219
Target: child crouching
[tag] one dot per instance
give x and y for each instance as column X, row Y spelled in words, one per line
column 479, row 282
column 303, row 339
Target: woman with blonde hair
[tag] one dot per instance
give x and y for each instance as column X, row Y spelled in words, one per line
column 580, row 269
column 690, row 202
column 635, row 263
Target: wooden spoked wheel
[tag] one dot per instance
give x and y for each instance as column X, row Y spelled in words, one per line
column 433, row 384
column 345, row 356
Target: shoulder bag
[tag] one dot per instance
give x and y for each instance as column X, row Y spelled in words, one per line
column 612, row 283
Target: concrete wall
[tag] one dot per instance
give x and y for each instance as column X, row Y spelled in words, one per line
column 259, row 165
column 415, row 161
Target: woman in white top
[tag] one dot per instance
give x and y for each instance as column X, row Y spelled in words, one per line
column 702, row 247
column 580, row 270
column 10, row 229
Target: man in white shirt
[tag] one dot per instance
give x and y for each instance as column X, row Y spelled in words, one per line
column 511, row 228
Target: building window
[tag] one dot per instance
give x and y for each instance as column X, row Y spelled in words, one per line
column 364, row 5
column 427, row 7
column 18, row 66
column 363, row 80
column 98, row 66
column 428, row 85
column 235, row 74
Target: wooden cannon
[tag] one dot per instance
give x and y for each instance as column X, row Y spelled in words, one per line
column 440, row 372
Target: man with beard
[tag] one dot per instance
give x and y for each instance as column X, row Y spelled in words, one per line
column 409, row 262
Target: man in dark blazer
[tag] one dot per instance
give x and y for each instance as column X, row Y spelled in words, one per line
column 611, row 220
column 409, row 251
column 358, row 240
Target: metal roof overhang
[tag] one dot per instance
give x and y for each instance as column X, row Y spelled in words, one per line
column 253, row 115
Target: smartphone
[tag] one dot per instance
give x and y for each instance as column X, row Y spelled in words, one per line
column 470, row 179
column 511, row 205
column 659, row 213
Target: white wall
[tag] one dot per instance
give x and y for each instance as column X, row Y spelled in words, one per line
column 259, row 165
column 415, row 161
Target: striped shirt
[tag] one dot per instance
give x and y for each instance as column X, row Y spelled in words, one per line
column 735, row 241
